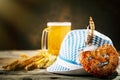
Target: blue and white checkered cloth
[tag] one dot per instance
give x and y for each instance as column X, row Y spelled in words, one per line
column 73, row 43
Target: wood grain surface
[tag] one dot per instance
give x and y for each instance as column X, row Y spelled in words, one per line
column 40, row 74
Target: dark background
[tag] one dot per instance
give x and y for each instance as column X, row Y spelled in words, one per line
column 22, row 21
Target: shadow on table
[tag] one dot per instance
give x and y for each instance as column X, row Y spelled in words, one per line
column 91, row 77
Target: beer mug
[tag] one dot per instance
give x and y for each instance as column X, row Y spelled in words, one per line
column 53, row 36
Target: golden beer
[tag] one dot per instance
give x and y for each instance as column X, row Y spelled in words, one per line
column 56, row 32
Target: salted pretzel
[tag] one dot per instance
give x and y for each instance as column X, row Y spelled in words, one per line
column 100, row 62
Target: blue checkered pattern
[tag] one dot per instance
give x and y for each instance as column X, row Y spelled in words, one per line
column 73, row 43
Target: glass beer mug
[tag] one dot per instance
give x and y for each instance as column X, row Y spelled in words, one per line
column 53, row 36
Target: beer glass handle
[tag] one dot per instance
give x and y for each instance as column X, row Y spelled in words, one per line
column 44, row 39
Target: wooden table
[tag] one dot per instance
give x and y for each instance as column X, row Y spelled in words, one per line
column 39, row 74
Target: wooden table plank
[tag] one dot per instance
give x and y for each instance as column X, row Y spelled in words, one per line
column 52, row 76
column 39, row 74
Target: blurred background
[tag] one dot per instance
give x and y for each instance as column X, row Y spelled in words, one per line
column 22, row 21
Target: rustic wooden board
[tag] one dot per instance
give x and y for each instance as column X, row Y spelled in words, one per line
column 39, row 74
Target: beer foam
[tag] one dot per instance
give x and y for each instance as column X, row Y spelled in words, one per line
column 59, row 24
